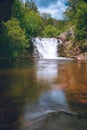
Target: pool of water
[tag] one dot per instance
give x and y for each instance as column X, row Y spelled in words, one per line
column 40, row 94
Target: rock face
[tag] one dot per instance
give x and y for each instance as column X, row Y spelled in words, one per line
column 82, row 57
column 64, row 36
column 64, row 122
column 68, row 48
column 57, row 121
column 5, row 9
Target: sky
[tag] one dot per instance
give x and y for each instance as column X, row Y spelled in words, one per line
column 54, row 7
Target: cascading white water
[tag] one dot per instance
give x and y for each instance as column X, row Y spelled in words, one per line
column 46, row 47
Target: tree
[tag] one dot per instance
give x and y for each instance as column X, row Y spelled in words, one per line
column 71, row 9
column 18, row 10
column 49, row 31
column 46, row 16
column 31, row 5
column 17, row 41
column 81, row 21
column 32, row 24
column 29, row 18
column 76, row 14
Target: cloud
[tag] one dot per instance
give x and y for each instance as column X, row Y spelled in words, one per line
column 45, row 3
column 56, row 9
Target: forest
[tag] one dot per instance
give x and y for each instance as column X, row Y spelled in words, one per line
column 26, row 22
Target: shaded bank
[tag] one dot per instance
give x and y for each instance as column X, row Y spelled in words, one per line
column 5, row 9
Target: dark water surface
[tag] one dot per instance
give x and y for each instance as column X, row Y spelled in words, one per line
column 43, row 95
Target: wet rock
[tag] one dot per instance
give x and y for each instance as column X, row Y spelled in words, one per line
column 57, row 120
column 64, row 121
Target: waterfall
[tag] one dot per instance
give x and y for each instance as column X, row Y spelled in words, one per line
column 45, row 47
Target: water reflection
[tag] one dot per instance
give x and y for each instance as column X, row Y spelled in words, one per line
column 16, row 88
column 53, row 98
column 29, row 91
column 47, row 70
column 63, row 93
column 73, row 77
column 9, row 107
column 36, row 112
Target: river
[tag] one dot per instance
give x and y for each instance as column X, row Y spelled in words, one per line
column 43, row 95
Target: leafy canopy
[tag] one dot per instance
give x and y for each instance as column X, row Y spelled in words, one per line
column 16, row 38
column 49, row 31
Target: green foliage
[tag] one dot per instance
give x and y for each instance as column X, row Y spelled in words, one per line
column 47, row 19
column 76, row 14
column 45, row 16
column 81, row 21
column 83, row 45
column 72, row 9
column 49, row 31
column 18, row 10
column 16, row 38
column 32, row 24
column 61, row 26
column 29, row 18
column 31, row 5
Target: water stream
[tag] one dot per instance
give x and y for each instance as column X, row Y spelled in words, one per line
column 46, row 47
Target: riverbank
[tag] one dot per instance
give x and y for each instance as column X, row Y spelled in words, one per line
column 69, row 50
column 82, row 57
column 72, row 48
